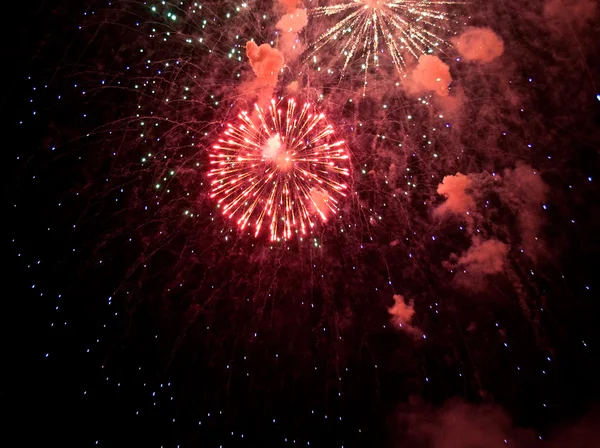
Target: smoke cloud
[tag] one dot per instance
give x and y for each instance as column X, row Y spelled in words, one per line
column 290, row 25
column 479, row 44
column 458, row 424
column 293, row 87
column 288, row 5
column 458, row 200
column 576, row 13
column 293, row 22
column 582, row 434
column 524, row 191
column 401, row 315
column 266, row 62
column 518, row 195
column 484, row 257
column 430, row 75
column 521, row 190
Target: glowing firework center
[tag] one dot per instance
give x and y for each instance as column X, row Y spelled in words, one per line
column 277, row 152
column 372, row 3
column 280, row 168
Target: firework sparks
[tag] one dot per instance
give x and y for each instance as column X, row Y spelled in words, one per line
column 402, row 26
column 286, row 170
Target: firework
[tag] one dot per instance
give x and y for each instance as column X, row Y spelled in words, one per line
column 367, row 26
column 282, row 168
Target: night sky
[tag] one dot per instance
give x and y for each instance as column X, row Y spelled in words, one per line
column 409, row 260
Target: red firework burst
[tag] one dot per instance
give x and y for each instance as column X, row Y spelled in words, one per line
column 283, row 168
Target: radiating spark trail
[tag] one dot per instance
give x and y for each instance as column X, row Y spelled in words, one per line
column 403, row 26
column 283, row 169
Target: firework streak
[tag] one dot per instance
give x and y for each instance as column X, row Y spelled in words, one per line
column 412, row 26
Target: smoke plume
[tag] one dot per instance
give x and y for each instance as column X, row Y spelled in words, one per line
column 266, row 62
column 484, row 257
column 290, row 25
column 401, row 315
column 575, row 13
column 430, row 75
column 458, row 424
column 479, row 44
column 455, row 190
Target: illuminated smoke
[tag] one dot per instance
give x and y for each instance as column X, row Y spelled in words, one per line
column 293, row 22
column 458, row 200
column 484, row 257
column 430, row 75
column 459, row 424
column 290, row 25
column 518, row 193
column 293, row 87
column 401, row 315
column 570, row 13
column 479, row 44
column 288, row 5
column 267, row 63
column 523, row 190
